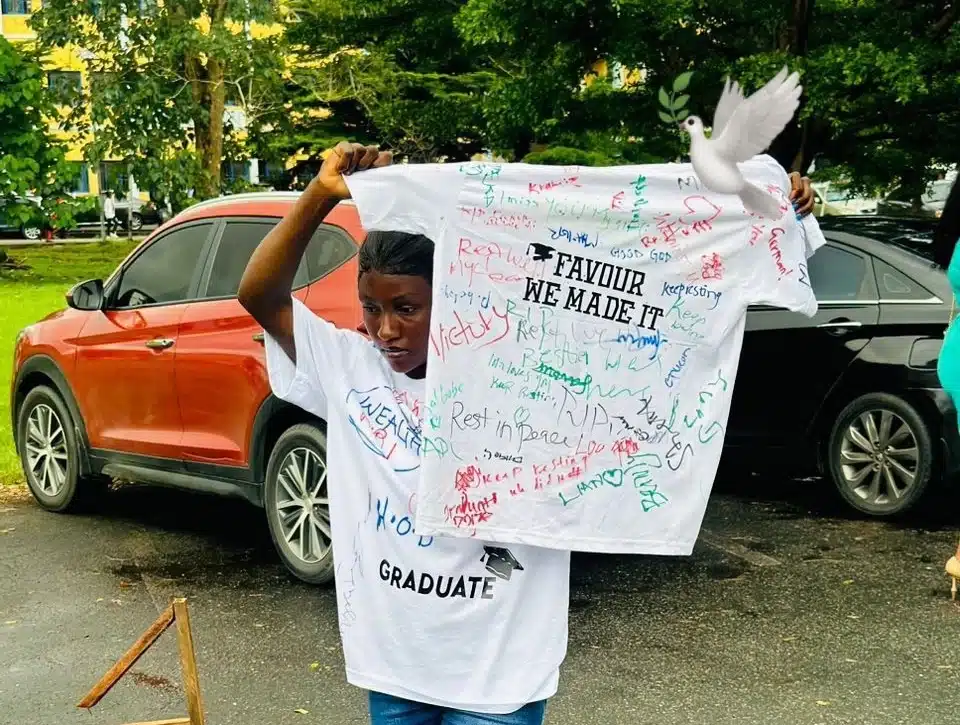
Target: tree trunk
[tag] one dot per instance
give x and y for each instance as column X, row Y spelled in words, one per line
column 521, row 145
column 214, row 143
column 792, row 147
column 209, row 96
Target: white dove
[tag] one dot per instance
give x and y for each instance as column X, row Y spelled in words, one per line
column 743, row 128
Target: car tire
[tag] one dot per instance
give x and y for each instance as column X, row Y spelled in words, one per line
column 50, row 453
column 31, row 233
column 881, row 455
column 136, row 222
column 298, row 515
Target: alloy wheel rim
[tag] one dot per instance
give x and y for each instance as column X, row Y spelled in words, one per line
column 879, row 458
column 32, row 233
column 303, row 506
column 46, row 446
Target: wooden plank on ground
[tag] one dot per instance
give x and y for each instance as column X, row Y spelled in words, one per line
column 188, row 662
column 129, row 659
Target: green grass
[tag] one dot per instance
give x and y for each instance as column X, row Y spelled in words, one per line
column 30, row 294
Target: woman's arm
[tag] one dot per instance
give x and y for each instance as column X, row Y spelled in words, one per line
column 265, row 288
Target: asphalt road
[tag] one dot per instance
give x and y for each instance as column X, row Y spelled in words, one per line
column 788, row 612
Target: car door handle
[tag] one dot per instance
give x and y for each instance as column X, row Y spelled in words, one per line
column 837, row 327
column 160, row 343
column 258, row 337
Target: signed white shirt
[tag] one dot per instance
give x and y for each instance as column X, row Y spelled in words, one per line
column 585, row 337
column 451, row 622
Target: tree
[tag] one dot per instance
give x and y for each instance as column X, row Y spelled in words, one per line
column 162, row 73
column 882, row 97
column 881, row 102
column 31, row 158
column 395, row 72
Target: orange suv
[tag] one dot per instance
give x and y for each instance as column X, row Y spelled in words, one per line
column 158, row 375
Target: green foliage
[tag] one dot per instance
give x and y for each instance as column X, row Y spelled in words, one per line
column 395, row 73
column 160, row 80
column 675, row 106
column 32, row 171
column 566, row 156
column 448, row 80
column 882, row 79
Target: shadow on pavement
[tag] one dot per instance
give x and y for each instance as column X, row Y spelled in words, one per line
column 204, row 535
column 799, row 497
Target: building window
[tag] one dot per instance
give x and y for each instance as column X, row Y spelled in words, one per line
column 113, row 175
column 79, row 178
column 232, row 171
column 16, row 7
column 272, row 173
column 63, row 82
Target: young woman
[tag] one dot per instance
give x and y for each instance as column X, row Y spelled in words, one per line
column 441, row 631
column 426, row 628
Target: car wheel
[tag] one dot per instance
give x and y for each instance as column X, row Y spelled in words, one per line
column 31, row 232
column 297, row 505
column 881, row 454
column 136, row 222
column 49, row 452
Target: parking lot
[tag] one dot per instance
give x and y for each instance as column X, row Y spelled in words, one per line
column 789, row 611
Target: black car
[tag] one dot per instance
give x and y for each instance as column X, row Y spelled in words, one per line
column 31, row 230
column 855, row 387
column 915, row 234
column 144, row 212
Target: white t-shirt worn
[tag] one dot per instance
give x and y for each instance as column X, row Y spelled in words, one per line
column 441, row 620
column 585, row 335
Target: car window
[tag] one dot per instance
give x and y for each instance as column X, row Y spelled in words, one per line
column 894, row 285
column 836, row 274
column 236, row 246
column 162, row 273
column 328, row 249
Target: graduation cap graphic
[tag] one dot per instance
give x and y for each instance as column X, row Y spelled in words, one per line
column 500, row 562
column 539, row 252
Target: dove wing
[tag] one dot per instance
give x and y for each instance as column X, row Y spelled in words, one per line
column 759, row 119
column 731, row 97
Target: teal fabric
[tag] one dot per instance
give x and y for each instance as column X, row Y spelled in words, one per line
column 948, row 366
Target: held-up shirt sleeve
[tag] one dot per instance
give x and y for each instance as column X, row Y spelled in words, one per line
column 412, row 198
column 777, row 269
column 324, row 352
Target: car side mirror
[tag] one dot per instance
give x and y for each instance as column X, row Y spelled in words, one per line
column 86, row 295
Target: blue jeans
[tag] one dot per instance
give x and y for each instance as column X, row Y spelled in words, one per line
column 389, row 710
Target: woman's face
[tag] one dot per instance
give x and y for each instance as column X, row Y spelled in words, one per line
column 396, row 313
